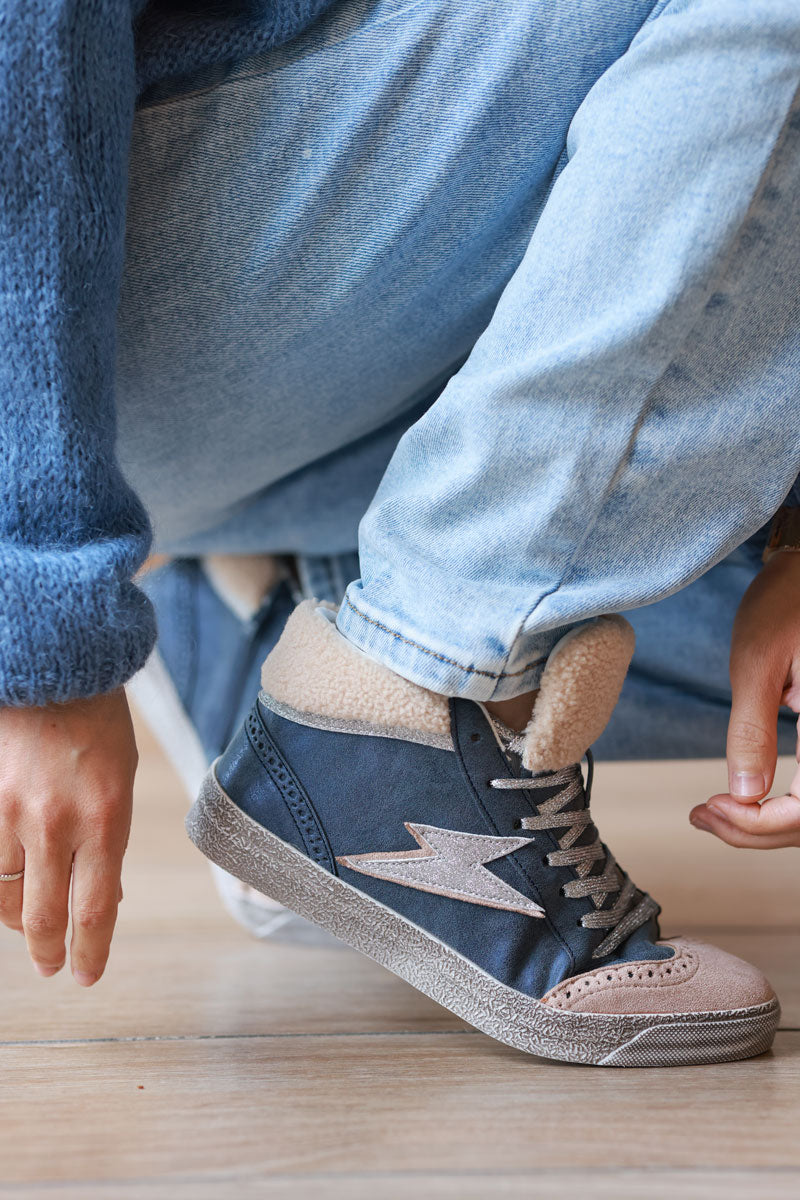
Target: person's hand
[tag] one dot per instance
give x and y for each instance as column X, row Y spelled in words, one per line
column 765, row 673
column 66, row 780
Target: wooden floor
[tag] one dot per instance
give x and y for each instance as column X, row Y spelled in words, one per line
column 207, row 1066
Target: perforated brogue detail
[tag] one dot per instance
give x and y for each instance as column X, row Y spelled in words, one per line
column 292, row 791
column 661, row 973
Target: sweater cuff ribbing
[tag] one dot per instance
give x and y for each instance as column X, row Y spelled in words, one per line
column 66, row 631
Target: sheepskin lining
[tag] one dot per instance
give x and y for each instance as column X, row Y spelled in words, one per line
column 580, row 685
column 315, row 669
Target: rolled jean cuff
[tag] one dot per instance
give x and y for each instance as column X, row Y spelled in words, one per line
column 479, row 669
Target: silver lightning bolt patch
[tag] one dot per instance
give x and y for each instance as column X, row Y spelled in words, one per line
column 449, row 863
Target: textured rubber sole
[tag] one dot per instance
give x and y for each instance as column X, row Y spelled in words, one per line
column 233, row 840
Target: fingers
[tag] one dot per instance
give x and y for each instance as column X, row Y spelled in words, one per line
column 38, row 903
column 66, row 780
column 45, row 901
column 768, row 826
column 756, row 686
column 96, row 893
column 12, row 859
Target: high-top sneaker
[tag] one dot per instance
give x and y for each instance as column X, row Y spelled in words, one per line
column 464, row 857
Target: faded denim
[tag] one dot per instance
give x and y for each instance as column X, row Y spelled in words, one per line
column 530, row 270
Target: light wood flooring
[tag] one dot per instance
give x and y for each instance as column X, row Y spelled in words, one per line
column 208, row 1066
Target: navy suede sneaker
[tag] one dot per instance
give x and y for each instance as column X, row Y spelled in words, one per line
column 464, row 857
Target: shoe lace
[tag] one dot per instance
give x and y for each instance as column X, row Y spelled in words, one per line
column 632, row 908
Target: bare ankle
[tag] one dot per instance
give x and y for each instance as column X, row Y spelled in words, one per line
column 516, row 712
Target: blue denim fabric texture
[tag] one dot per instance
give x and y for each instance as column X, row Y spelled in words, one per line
column 530, row 270
column 211, row 654
column 328, row 774
column 677, row 696
column 300, row 282
column 675, row 702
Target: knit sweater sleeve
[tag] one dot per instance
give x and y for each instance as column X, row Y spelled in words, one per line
column 72, row 533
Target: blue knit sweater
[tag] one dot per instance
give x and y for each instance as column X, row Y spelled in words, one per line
column 71, row 532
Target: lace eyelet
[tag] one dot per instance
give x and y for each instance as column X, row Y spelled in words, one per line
column 475, row 737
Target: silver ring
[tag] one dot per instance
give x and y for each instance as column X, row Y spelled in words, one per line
column 12, row 877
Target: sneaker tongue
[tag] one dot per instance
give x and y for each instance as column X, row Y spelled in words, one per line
column 512, row 743
column 510, row 740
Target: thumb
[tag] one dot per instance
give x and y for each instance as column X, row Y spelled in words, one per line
column 753, row 729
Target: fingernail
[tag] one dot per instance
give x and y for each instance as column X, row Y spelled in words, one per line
column 699, row 823
column 84, row 978
column 746, row 784
column 46, row 972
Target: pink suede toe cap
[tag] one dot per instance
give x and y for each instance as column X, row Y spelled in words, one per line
column 698, row 978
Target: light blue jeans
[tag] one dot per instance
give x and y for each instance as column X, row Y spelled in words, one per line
column 677, row 696
column 515, row 284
